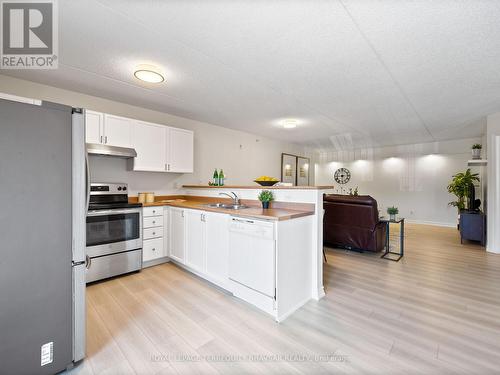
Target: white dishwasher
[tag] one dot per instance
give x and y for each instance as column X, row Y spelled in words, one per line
column 252, row 254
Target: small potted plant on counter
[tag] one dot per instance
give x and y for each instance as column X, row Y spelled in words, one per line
column 392, row 211
column 476, row 151
column 265, row 197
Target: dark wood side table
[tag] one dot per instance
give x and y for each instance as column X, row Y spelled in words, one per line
column 388, row 254
column 473, row 226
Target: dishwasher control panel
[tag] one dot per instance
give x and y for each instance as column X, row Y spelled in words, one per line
column 250, row 227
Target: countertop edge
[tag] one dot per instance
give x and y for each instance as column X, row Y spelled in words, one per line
column 289, row 215
column 258, row 187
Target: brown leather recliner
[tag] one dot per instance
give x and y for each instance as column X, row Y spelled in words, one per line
column 352, row 222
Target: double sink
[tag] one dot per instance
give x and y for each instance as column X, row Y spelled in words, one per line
column 236, row 205
column 227, row 206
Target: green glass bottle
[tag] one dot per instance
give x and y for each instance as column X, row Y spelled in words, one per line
column 215, row 178
column 221, row 178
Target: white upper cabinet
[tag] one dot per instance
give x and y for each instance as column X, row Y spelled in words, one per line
column 159, row 148
column 147, row 140
column 93, row 126
column 107, row 129
column 117, row 130
column 179, row 144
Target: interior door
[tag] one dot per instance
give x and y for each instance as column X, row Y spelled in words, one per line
column 117, row 131
column 179, row 150
column 195, row 239
column 177, row 237
column 149, row 142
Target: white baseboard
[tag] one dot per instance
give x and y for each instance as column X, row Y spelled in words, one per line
column 435, row 223
column 282, row 317
column 320, row 293
column 155, row 262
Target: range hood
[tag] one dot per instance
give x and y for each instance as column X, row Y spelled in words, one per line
column 106, row 150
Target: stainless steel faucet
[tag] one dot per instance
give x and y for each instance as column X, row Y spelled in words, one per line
column 234, row 197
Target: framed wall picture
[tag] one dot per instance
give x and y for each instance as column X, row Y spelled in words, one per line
column 289, row 168
column 302, row 171
column 295, row 169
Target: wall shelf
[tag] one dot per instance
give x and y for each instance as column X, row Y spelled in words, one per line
column 477, row 162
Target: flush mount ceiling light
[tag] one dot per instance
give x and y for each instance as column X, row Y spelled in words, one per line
column 148, row 74
column 290, row 124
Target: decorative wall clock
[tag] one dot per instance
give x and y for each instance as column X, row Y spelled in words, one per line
column 342, row 175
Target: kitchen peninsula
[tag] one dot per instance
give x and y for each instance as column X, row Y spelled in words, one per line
column 270, row 258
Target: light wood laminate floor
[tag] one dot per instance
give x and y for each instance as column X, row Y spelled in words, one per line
column 437, row 311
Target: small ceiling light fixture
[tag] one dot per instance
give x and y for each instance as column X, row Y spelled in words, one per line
column 148, row 74
column 290, row 124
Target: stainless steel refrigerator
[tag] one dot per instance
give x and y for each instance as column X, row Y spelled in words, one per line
column 43, row 180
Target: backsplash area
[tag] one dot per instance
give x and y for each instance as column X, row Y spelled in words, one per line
column 111, row 169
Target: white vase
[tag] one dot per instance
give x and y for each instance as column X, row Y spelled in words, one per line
column 476, row 153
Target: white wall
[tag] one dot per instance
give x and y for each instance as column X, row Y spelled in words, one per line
column 243, row 156
column 412, row 177
column 493, row 213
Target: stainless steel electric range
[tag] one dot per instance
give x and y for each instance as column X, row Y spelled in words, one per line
column 114, row 232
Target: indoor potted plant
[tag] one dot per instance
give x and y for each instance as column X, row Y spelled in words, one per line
column 461, row 186
column 392, row 211
column 265, row 197
column 476, row 151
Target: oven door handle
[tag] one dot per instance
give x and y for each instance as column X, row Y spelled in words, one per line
column 114, row 212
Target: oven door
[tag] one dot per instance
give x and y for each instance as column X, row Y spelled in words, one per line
column 113, row 231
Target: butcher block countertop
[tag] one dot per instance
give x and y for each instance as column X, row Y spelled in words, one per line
column 255, row 211
column 256, row 186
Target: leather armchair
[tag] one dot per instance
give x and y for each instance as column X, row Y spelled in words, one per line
column 352, row 222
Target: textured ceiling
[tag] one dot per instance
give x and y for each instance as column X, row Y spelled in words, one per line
column 355, row 73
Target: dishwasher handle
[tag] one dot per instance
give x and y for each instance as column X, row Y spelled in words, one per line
column 242, row 220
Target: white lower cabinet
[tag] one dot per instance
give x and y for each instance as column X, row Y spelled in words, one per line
column 176, row 234
column 199, row 240
column 152, row 249
column 217, row 248
column 195, row 239
column 153, row 235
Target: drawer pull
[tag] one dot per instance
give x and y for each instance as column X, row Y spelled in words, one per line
column 154, row 222
column 154, row 233
column 154, row 249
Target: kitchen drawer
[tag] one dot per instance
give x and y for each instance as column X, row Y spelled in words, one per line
column 155, row 232
column 152, row 211
column 152, row 249
column 153, row 221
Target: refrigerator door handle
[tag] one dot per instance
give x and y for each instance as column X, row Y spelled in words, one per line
column 87, row 180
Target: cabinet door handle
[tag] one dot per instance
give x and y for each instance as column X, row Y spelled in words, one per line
column 106, row 139
column 154, row 233
column 154, row 222
column 101, row 139
column 153, row 249
column 182, row 213
column 166, row 168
